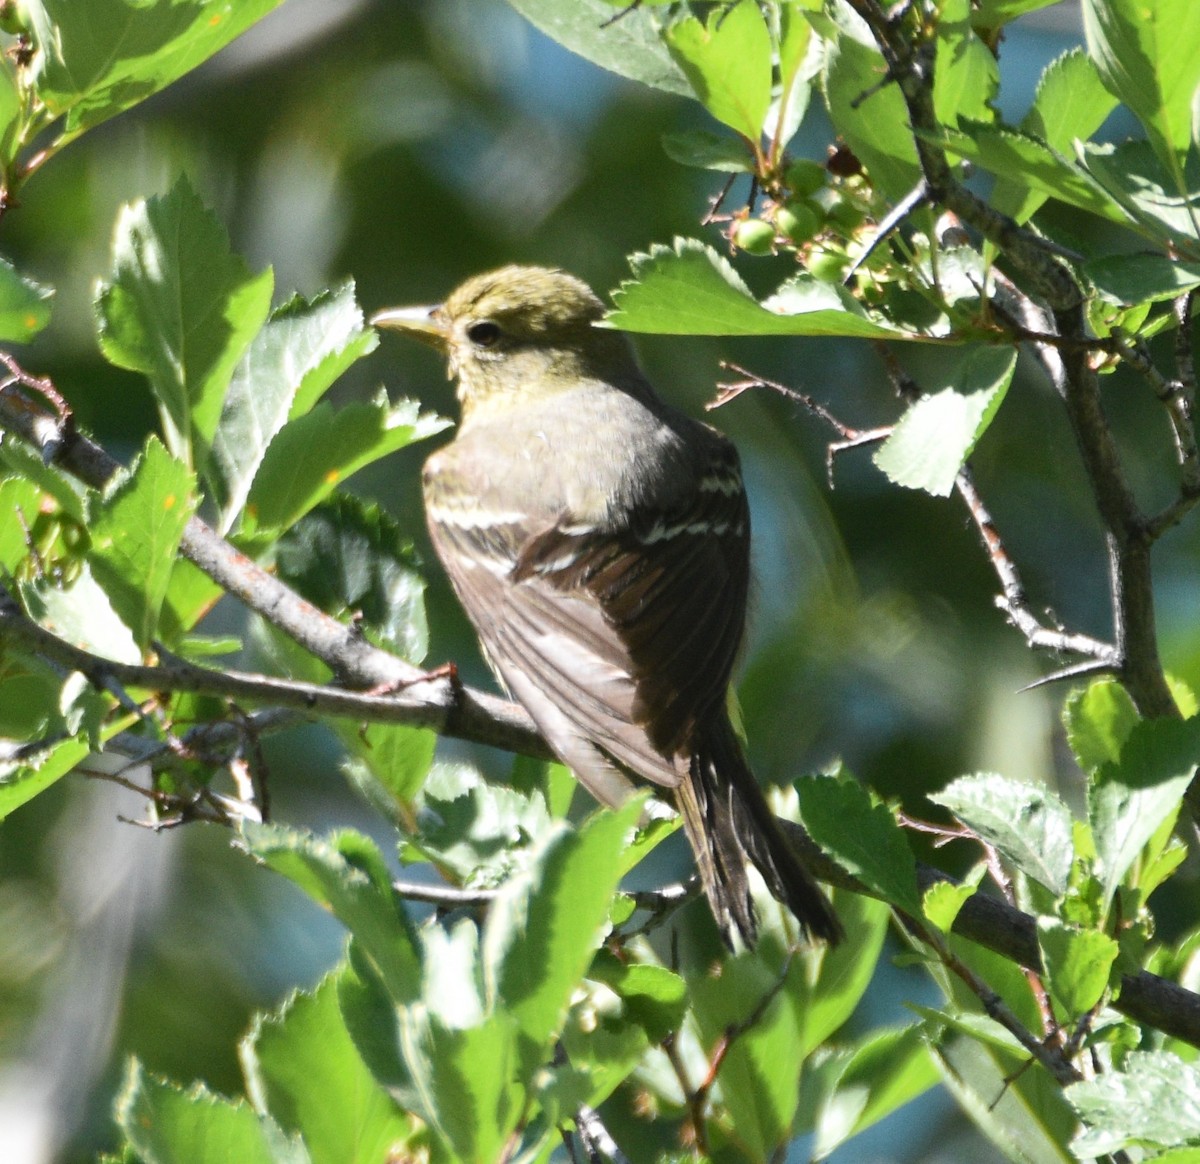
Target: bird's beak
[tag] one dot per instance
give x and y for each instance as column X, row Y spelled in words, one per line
column 427, row 324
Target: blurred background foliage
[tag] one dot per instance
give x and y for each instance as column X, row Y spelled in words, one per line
column 408, row 145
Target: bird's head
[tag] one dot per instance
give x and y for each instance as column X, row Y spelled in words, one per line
column 517, row 332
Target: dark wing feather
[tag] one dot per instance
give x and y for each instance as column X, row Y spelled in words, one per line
column 629, row 632
column 669, row 589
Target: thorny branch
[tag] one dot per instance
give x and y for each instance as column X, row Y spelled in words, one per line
column 908, row 52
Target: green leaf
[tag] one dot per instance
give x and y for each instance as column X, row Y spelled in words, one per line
column 1154, row 1102
column 862, row 836
column 967, row 76
column 933, row 439
column 545, row 926
column 994, row 14
column 1028, row 824
column 630, row 46
column 313, row 454
column 347, row 875
column 478, row 830
column 166, row 1125
column 1163, row 206
column 21, row 780
column 1145, row 51
column 388, row 764
column 708, row 151
column 135, row 534
column 1077, row 964
column 83, row 615
column 24, row 304
column 882, row 1072
column 103, row 56
column 1142, row 278
column 1129, row 799
column 303, row 1068
column 799, row 62
column 760, row 1072
column 20, row 501
column 1098, row 721
column 181, row 308
column 728, row 63
column 653, row 997
column 1022, row 1112
column 300, row 351
column 689, row 289
column 1004, row 151
column 1071, row 103
column 350, row 558
column 844, row 973
column 943, row 901
column 465, row 1077
column 870, row 116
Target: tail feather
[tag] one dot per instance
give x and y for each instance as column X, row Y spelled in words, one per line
column 729, row 825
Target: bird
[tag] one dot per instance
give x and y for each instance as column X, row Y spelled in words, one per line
column 599, row 541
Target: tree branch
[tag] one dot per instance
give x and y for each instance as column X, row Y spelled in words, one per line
column 908, row 50
column 448, row 708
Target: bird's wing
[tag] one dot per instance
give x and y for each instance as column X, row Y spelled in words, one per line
column 631, row 632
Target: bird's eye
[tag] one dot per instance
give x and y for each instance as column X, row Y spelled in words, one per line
column 484, row 334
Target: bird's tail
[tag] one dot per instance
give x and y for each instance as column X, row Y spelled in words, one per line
column 729, row 825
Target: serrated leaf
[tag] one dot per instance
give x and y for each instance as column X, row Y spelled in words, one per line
column 943, row 901
column 544, row 927
column 347, row 875
column 689, row 289
column 1153, row 1102
column 350, row 558
column 303, row 1067
column 313, row 454
column 24, row 304
column 862, row 836
column 466, row 1079
column 1077, row 963
column 300, row 351
column 101, row 57
column 180, row 308
column 168, row 1125
column 1129, row 799
column 1071, row 104
column 1145, row 51
column 1098, row 721
column 728, row 63
column 1004, row 151
column 933, row 439
column 135, row 534
column 1028, row 824
column 654, row 997
column 630, row 46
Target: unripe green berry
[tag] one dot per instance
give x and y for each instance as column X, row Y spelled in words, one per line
column 827, row 264
column 846, row 214
column 12, row 18
column 799, row 221
column 754, row 236
column 805, row 177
